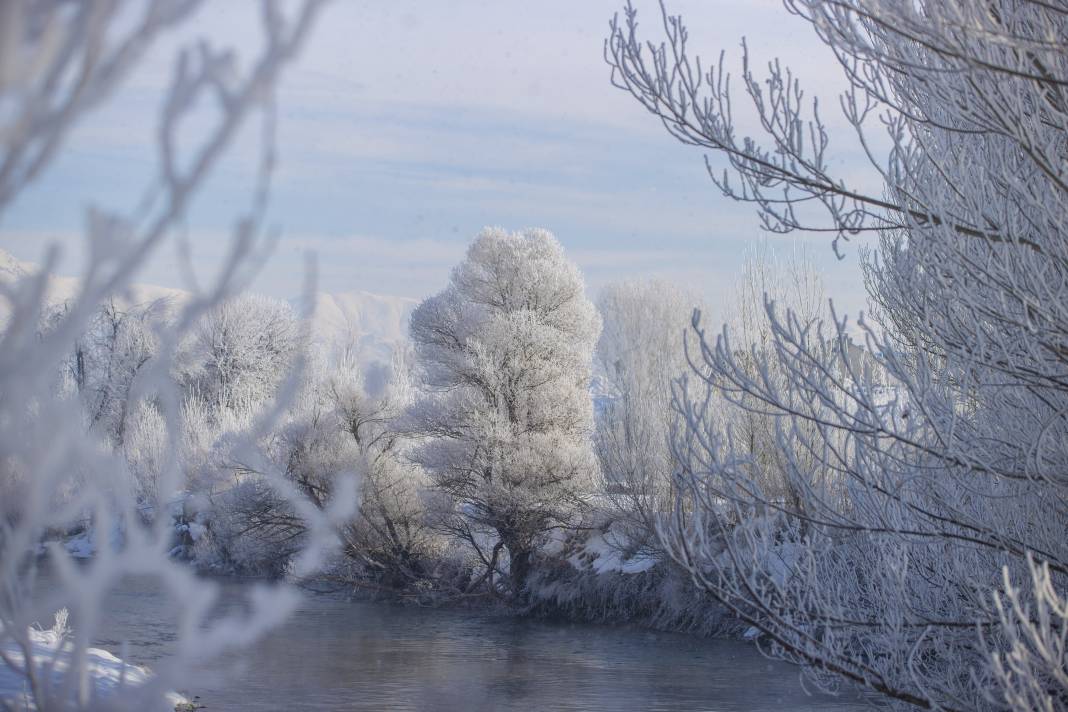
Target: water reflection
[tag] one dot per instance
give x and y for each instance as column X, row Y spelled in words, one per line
column 338, row 655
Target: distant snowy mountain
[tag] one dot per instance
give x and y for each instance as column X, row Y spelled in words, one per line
column 372, row 325
column 11, row 269
column 62, row 288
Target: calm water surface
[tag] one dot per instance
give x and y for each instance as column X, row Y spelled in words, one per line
column 339, row 655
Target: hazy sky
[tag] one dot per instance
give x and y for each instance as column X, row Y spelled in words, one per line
column 407, row 126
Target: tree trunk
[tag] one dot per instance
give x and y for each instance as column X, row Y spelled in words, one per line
column 519, row 559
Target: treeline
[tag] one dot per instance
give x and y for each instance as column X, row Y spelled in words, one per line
column 486, row 466
column 523, row 447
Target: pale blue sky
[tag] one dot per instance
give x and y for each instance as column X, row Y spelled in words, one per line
column 407, row 126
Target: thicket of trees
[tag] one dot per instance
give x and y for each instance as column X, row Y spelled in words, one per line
column 919, row 547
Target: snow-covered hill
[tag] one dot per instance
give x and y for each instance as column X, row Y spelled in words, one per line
column 11, row 269
column 62, row 288
column 371, row 325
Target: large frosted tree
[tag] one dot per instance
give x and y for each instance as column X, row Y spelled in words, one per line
column 923, row 552
column 506, row 351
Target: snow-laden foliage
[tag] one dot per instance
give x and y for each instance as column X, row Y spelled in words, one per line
column 506, row 351
column 344, row 419
column 923, row 550
column 239, row 352
column 64, row 460
column 639, row 353
column 391, row 539
column 106, row 360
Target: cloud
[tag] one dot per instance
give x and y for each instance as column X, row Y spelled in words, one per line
column 404, row 127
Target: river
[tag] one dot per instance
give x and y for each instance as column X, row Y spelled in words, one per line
column 334, row 654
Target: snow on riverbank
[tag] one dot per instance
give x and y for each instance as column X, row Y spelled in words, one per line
column 601, row 556
column 111, row 679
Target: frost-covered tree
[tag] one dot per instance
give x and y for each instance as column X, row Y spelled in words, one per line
column 506, row 351
column 391, row 540
column 251, row 527
column 640, row 351
column 58, row 61
column 931, row 565
column 343, row 420
column 106, row 360
column 784, row 283
column 239, row 352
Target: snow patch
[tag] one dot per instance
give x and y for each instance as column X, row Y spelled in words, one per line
column 50, row 653
column 599, row 555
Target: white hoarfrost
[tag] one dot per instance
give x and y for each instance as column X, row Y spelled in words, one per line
column 505, row 351
column 58, row 471
column 897, row 518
